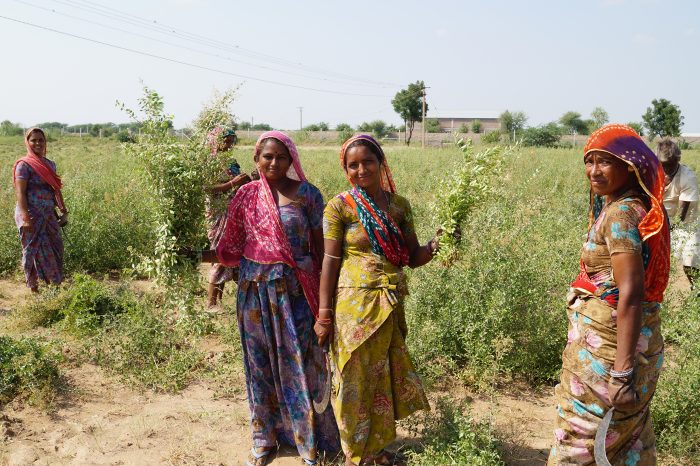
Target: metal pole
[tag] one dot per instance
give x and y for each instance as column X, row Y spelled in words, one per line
column 423, row 120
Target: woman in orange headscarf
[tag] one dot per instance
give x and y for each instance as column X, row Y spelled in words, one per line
column 38, row 194
column 614, row 353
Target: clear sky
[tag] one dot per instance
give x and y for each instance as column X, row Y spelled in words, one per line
column 540, row 57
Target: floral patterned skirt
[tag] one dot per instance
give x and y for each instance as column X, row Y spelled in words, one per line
column 42, row 250
column 284, row 368
column 377, row 386
column 582, row 394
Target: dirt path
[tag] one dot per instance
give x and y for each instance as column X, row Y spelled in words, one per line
column 98, row 420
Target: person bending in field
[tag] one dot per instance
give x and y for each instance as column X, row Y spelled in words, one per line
column 615, row 349
column 38, row 194
column 220, row 141
column 273, row 232
column 681, row 202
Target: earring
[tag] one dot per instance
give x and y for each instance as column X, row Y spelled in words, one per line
column 630, row 168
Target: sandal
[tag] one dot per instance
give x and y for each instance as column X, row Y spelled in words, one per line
column 258, row 459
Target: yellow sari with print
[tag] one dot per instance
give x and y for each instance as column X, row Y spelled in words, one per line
column 375, row 383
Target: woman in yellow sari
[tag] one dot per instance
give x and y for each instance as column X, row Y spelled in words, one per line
column 368, row 238
column 614, row 353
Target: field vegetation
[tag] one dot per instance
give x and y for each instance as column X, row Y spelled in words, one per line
column 493, row 318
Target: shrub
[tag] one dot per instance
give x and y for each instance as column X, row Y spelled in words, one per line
column 541, row 136
column 492, row 137
column 450, row 436
column 343, row 127
column 493, row 313
column 432, row 125
column 684, row 145
column 463, row 129
column 378, row 128
column 302, row 136
column 144, row 345
column 28, row 368
column 476, row 126
column 675, row 409
column 125, row 137
column 345, row 134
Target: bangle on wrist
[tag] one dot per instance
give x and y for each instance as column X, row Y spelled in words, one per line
column 621, row 374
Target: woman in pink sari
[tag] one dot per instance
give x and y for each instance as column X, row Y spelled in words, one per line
column 274, row 234
column 38, row 194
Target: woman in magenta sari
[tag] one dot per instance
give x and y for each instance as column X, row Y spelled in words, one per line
column 274, row 234
column 38, row 194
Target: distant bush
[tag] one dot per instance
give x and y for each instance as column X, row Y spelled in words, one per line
column 343, row 127
column 378, row 128
column 322, row 126
column 124, row 137
column 683, row 144
column 638, row 127
column 345, row 134
column 432, row 125
column 246, row 125
column 463, row 129
column 29, row 369
column 302, row 136
column 7, row 128
column 476, row 126
column 541, row 136
column 492, row 137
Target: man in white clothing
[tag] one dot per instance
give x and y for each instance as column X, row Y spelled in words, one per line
column 681, row 202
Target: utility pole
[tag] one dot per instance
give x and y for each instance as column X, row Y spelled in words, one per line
column 422, row 124
column 301, row 125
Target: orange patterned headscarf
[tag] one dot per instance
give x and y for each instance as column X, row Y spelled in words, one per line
column 386, row 180
column 624, row 143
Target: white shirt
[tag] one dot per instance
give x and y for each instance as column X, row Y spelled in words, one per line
column 683, row 188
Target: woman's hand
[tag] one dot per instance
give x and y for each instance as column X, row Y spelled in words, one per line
column 622, row 394
column 324, row 332
column 239, row 180
column 63, row 220
column 27, row 226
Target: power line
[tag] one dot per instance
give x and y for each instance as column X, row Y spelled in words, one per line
column 192, row 65
column 173, row 44
column 161, row 28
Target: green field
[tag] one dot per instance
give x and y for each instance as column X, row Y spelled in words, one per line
column 494, row 318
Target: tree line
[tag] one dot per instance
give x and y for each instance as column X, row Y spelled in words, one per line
column 662, row 118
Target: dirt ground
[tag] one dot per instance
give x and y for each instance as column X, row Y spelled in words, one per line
column 97, row 420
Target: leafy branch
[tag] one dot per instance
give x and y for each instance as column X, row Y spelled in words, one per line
column 467, row 188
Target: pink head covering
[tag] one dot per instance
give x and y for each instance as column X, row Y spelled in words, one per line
column 295, row 171
column 254, row 229
column 41, row 167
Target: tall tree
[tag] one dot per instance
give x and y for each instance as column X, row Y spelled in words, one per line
column 599, row 117
column 407, row 103
column 663, row 119
column 512, row 122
